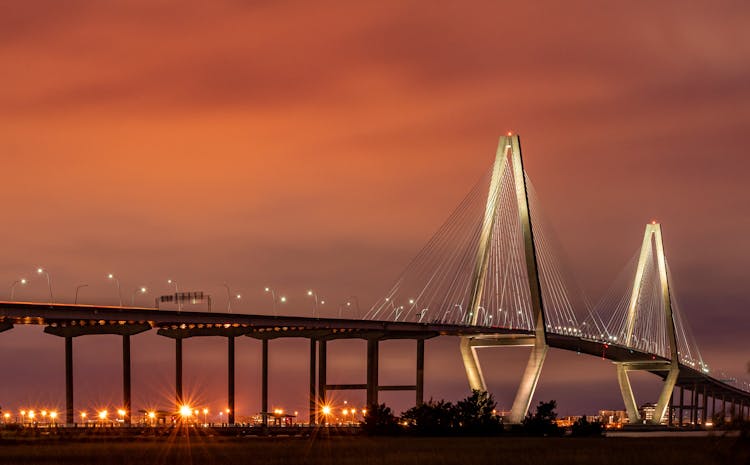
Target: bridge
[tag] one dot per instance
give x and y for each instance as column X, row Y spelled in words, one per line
column 490, row 276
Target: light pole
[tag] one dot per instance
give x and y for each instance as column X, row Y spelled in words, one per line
column 41, row 270
column 176, row 292
column 21, row 281
column 229, row 298
column 314, row 295
column 77, row 289
column 273, row 297
column 142, row 290
column 356, row 304
column 117, row 282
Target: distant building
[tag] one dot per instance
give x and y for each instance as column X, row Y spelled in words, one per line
column 647, row 412
column 613, row 418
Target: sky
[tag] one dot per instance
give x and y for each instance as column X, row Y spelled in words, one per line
column 319, row 145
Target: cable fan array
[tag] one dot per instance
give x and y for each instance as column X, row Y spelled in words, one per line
column 437, row 285
column 638, row 320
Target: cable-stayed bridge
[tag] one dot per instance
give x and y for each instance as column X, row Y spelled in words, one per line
column 492, row 275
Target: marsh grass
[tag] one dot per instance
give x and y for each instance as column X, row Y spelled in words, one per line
column 187, row 450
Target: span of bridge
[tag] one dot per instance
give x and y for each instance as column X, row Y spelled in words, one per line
column 489, row 277
column 69, row 321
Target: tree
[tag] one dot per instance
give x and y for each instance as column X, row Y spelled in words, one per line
column 542, row 423
column 380, row 420
column 476, row 414
column 582, row 428
column 432, row 418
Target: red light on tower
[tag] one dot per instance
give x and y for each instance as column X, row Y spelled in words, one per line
column 510, row 133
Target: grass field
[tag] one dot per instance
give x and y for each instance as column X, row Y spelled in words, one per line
column 381, row 451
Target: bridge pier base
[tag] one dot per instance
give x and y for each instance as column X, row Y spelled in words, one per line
column 230, row 379
column 178, row 371
column 126, row 384
column 312, row 412
column 420, row 373
column 530, row 378
column 322, row 371
column 373, row 355
column 264, row 382
column 69, row 410
column 664, row 397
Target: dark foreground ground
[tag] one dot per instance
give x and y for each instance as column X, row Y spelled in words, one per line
column 365, row 450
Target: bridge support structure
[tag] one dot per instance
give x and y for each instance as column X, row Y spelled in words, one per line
column 652, row 243
column 372, row 386
column 71, row 329
column 509, row 150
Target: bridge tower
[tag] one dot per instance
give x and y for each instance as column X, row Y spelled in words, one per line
column 652, row 245
column 508, row 153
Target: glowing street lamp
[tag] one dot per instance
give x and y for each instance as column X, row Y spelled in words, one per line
column 53, row 416
column 141, row 290
column 186, row 411
column 117, row 282
column 21, row 281
column 273, row 298
column 121, row 413
column 176, row 291
column 83, row 417
column 314, row 295
column 103, row 415
column 326, row 410
column 41, row 271
column 205, row 415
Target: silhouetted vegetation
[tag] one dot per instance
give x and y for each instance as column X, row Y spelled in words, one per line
column 380, row 420
column 584, row 428
column 542, row 422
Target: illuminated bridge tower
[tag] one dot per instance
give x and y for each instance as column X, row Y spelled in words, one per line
column 508, row 154
column 652, row 247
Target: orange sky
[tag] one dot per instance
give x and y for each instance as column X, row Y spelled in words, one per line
column 320, row 146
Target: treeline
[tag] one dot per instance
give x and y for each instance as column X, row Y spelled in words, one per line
column 472, row 416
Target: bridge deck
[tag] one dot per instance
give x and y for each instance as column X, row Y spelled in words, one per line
column 78, row 320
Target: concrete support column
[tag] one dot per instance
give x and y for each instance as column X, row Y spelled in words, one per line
column 420, row 372
column 312, row 411
column 69, row 411
column 694, row 406
column 178, row 371
column 704, row 413
column 264, row 382
column 670, row 412
column 373, row 346
column 322, row 371
column 682, row 405
column 713, row 405
column 230, row 379
column 126, row 397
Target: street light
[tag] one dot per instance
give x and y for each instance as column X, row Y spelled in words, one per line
column 229, row 298
column 77, row 289
column 21, row 281
column 41, row 270
column 176, row 291
column 273, row 297
column 117, row 281
column 314, row 295
column 142, row 290
column 205, row 414
column 356, row 304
